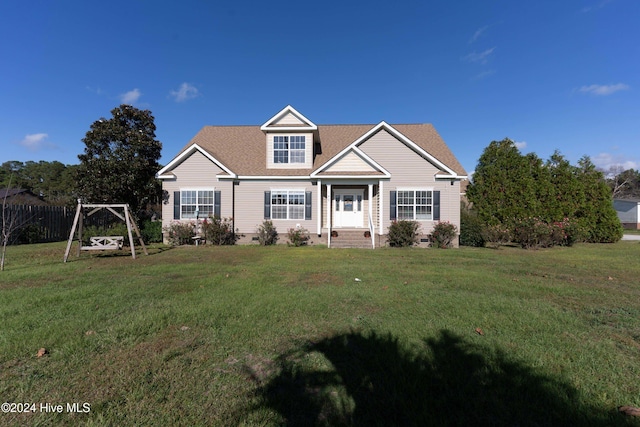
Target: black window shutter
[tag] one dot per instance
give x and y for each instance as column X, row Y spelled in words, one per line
column 307, row 205
column 392, row 205
column 216, row 204
column 176, row 205
column 267, row 205
column 436, row 206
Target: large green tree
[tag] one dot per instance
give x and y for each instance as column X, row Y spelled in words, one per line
column 568, row 191
column 508, row 187
column 503, row 187
column 597, row 214
column 120, row 159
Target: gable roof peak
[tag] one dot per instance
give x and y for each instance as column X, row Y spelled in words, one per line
column 288, row 119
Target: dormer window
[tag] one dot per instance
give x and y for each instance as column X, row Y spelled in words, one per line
column 289, row 149
column 289, row 140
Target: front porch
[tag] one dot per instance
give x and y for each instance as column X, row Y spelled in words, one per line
column 348, row 213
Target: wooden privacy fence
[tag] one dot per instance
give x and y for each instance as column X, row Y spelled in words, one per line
column 40, row 224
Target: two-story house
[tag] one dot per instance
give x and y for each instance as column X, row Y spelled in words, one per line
column 333, row 180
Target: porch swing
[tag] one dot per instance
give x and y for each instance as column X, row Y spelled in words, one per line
column 104, row 243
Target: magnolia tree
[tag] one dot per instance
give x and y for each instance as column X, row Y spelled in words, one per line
column 120, row 160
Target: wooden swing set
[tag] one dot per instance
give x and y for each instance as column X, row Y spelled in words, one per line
column 104, row 243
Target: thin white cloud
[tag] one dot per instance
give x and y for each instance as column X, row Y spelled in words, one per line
column 606, row 161
column 520, row 145
column 481, row 57
column 603, row 89
column 130, row 97
column 484, row 74
column 477, row 34
column 600, row 5
column 36, row 142
column 184, row 93
column 96, row 90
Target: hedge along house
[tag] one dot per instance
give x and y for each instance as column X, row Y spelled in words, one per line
column 345, row 184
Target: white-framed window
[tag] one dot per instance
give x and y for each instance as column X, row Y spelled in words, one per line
column 196, row 200
column 287, row 204
column 415, row 205
column 289, row 149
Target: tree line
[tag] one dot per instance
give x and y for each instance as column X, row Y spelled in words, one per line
column 624, row 183
column 54, row 182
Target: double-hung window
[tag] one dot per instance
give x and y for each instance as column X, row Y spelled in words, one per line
column 201, row 201
column 287, row 204
column 289, row 149
column 415, row 205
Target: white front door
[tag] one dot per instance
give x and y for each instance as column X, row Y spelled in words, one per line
column 347, row 208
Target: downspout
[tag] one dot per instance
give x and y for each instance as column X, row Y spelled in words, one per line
column 233, row 205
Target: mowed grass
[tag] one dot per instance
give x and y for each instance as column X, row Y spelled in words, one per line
column 249, row 335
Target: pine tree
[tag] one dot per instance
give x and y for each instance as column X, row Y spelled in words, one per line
column 503, row 187
column 597, row 214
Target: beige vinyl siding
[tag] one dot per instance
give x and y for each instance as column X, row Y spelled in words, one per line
column 196, row 172
column 410, row 170
column 289, row 119
column 350, row 162
column 308, row 155
column 250, row 205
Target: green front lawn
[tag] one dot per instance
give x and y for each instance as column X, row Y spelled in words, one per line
column 249, row 335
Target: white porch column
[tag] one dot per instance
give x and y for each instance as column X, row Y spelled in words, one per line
column 373, row 233
column 329, row 202
column 319, row 208
column 381, row 205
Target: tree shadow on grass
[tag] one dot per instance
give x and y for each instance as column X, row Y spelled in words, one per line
column 372, row 380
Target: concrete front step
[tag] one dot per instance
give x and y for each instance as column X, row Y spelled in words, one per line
column 351, row 239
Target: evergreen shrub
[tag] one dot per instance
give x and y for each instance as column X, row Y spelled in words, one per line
column 403, row 233
column 471, row 229
column 180, row 233
column 496, row 235
column 298, row 236
column 267, row 233
column 219, row 231
column 443, row 235
column 152, row 232
column 532, row 233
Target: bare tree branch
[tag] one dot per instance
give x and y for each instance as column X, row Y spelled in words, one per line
column 10, row 224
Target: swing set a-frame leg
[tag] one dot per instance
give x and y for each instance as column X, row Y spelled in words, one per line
column 73, row 230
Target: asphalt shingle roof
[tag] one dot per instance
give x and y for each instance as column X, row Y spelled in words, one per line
column 242, row 148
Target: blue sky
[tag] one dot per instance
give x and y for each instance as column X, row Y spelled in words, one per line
column 548, row 74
